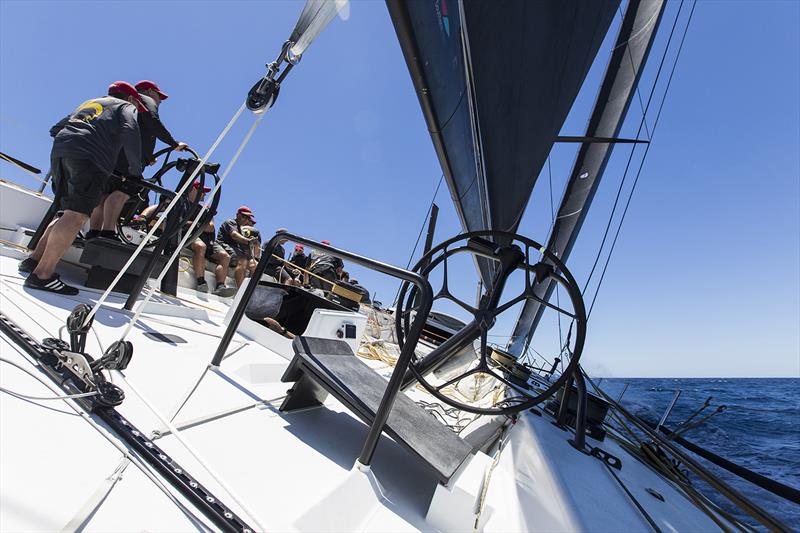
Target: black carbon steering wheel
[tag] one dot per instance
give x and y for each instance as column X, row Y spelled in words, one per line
column 515, row 253
column 131, row 224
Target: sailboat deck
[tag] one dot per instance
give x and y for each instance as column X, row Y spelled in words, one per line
column 293, row 471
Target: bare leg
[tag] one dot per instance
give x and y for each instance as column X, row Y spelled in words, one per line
column 238, row 272
column 42, row 244
column 113, row 207
column 221, row 271
column 199, row 260
column 274, row 325
column 62, row 234
column 96, row 220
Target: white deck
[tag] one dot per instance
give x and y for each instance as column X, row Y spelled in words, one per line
column 292, row 471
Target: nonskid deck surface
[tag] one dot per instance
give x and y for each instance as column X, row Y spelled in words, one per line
column 293, row 471
column 283, row 467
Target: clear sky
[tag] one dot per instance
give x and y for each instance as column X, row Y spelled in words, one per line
column 705, row 279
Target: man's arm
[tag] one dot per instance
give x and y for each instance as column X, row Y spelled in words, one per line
column 161, row 131
column 131, row 140
column 59, row 126
column 238, row 237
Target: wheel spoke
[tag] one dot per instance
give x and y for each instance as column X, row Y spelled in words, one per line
column 509, row 304
column 551, row 306
column 458, row 378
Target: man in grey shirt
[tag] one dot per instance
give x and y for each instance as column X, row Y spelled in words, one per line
column 85, row 149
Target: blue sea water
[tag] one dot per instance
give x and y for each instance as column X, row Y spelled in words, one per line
column 759, row 430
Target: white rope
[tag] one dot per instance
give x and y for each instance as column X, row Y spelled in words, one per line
column 163, row 215
column 111, row 439
column 188, row 233
column 177, row 434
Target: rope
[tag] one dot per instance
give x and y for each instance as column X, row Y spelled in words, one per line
column 190, row 230
column 644, row 157
column 37, row 378
column 163, row 215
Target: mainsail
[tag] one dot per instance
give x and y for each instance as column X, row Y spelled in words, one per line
column 496, row 81
column 630, row 52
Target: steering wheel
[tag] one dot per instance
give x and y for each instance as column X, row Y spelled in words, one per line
column 515, row 253
column 132, row 227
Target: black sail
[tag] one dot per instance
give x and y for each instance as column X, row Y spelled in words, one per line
column 633, row 44
column 496, row 80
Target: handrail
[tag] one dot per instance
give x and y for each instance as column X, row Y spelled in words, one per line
column 407, row 352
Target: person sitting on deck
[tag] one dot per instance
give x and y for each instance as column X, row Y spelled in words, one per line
column 233, row 241
column 277, row 268
column 86, row 146
column 205, row 247
column 328, row 268
column 264, row 306
column 300, row 260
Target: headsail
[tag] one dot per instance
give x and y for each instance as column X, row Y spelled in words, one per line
column 622, row 75
column 496, row 81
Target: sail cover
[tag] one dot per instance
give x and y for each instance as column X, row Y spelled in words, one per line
column 635, row 38
column 496, row 80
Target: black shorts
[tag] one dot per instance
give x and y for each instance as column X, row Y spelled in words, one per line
column 212, row 247
column 79, row 182
column 124, row 186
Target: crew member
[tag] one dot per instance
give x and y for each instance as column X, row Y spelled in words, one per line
column 205, row 247
column 85, row 149
column 328, row 268
column 230, row 236
column 277, row 268
column 104, row 219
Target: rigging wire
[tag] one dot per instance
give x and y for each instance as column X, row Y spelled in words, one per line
column 163, row 215
column 421, row 231
column 633, row 151
column 644, row 157
column 188, row 233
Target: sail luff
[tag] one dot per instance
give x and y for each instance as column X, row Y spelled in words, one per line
column 633, row 44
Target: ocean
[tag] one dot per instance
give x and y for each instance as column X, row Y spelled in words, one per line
column 759, row 430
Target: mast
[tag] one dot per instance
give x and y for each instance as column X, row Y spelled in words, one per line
column 635, row 38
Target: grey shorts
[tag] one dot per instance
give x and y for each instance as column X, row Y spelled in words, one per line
column 79, row 182
column 212, row 247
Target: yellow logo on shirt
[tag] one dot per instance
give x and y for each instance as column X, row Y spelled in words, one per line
column 88, row 111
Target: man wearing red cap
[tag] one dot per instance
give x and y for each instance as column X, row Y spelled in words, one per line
column 205, row 247
column 231, row 237
column 104, row 219
column 86, row 146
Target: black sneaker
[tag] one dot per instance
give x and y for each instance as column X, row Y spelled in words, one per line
column 27, row 265
column 202, row 286
column 92, row 234
column 54, row 284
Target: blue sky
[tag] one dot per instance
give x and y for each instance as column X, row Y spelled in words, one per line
column 705, row 279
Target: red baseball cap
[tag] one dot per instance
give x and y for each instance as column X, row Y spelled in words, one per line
column 299, row 247
column 147, row 84
column 246, row 211
column 196, row 185
column 326, row 242
column 123, row 87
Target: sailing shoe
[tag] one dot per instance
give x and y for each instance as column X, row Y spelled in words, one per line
column 202, row 286
column 223, row 291
column 27, row 265
column 54, row 284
